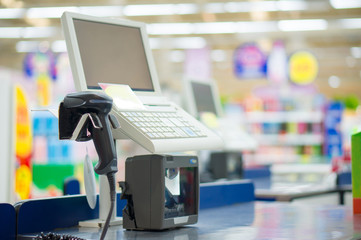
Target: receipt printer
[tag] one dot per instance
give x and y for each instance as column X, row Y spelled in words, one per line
column 162, row 191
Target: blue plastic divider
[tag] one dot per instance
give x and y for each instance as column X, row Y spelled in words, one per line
column 225, row 193
column 48, row 214
column 344, row 178
column 40, row 215
column 7, row 221
column 257, row 172
column 71, row 186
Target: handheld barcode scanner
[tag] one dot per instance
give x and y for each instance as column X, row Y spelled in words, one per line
column 84, row 116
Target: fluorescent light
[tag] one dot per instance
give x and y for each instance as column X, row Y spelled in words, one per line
column 264, row 6
column 49, row 12
column 302, row 25
column 189, row 42
column 177, row 56
column 342, row 4
column 334, row 81
column 186, row 8
column 159, row 9
column 170, row 28
column 350, row 23
column 214, row 8
column 249, row 27
column 356, row 52
column 291, row 5
column 218, row 55
column 39, row 32
column 10, row 13
column 27, row 46
column 237, row 7
column 102, row 11
column 59, row 46
column 27, row 32
column 10, row 32
column 215, row 27
column 180, row 43
column 35, row 46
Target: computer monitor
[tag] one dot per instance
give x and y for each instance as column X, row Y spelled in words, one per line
column 201, row 96
column 117, row 51
column 106, row 50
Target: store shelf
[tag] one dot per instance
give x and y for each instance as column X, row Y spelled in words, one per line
column 289, row 139
column 302, row 168
column 279, row 117
column 274, row 158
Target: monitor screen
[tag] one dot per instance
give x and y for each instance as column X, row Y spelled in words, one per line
column 113, row 54
column 204, row 98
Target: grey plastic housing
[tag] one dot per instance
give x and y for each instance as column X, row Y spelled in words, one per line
column 146, row 191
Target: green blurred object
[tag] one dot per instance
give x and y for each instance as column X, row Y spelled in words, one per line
column 351, row 101
column 45, row 175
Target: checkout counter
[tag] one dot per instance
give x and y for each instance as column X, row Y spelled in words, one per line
column 228, row 210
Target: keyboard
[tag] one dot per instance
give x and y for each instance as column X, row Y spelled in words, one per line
column 162, row 125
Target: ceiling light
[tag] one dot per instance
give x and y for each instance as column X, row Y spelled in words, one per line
column 291, row 5
column 177, row 56
column 189, row 43
column 334, row 81
column 302, row 25
column 49, row 12
column 178, row 43
column 214, row 7
column 10, row 13
column 102, row 11
column 218, row 55
column 249, row 27
column 170, row 28
column 39, row 32
column 59, row 46
column 159, row 9
column 27, row 46
column 186, row 8
column 215, row 27
column 356, row 52
column 27, row 32
column 350, row 23
column 342, row 4
column 10, row 32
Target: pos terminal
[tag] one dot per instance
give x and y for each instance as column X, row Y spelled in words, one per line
column 162, row 191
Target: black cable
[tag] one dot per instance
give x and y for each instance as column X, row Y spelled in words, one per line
column 111, row 181
column 55, row 236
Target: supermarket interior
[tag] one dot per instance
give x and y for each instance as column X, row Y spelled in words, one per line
column 263, row 97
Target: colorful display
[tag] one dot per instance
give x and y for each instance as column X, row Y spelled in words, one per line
column 23, row 149
column 356, row 172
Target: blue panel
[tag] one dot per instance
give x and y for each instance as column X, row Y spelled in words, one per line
column 7, row 221
column 225, row 193
column 71, row 186
column 344, row 178
column 48, row 214
column 120, row 205
column 257, row 172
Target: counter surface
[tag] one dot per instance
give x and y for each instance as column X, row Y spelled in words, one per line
column 252, row 220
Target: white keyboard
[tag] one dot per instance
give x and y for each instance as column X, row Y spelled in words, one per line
column 162, row 125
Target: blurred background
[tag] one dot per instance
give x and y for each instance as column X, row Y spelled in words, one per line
column 288, row 73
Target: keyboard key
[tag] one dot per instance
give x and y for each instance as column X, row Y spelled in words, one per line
column 167, row 122
column 157, row 125
column 176, row 122
column 189, row 132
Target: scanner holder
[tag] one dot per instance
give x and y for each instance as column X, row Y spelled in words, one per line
column 84, row 116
